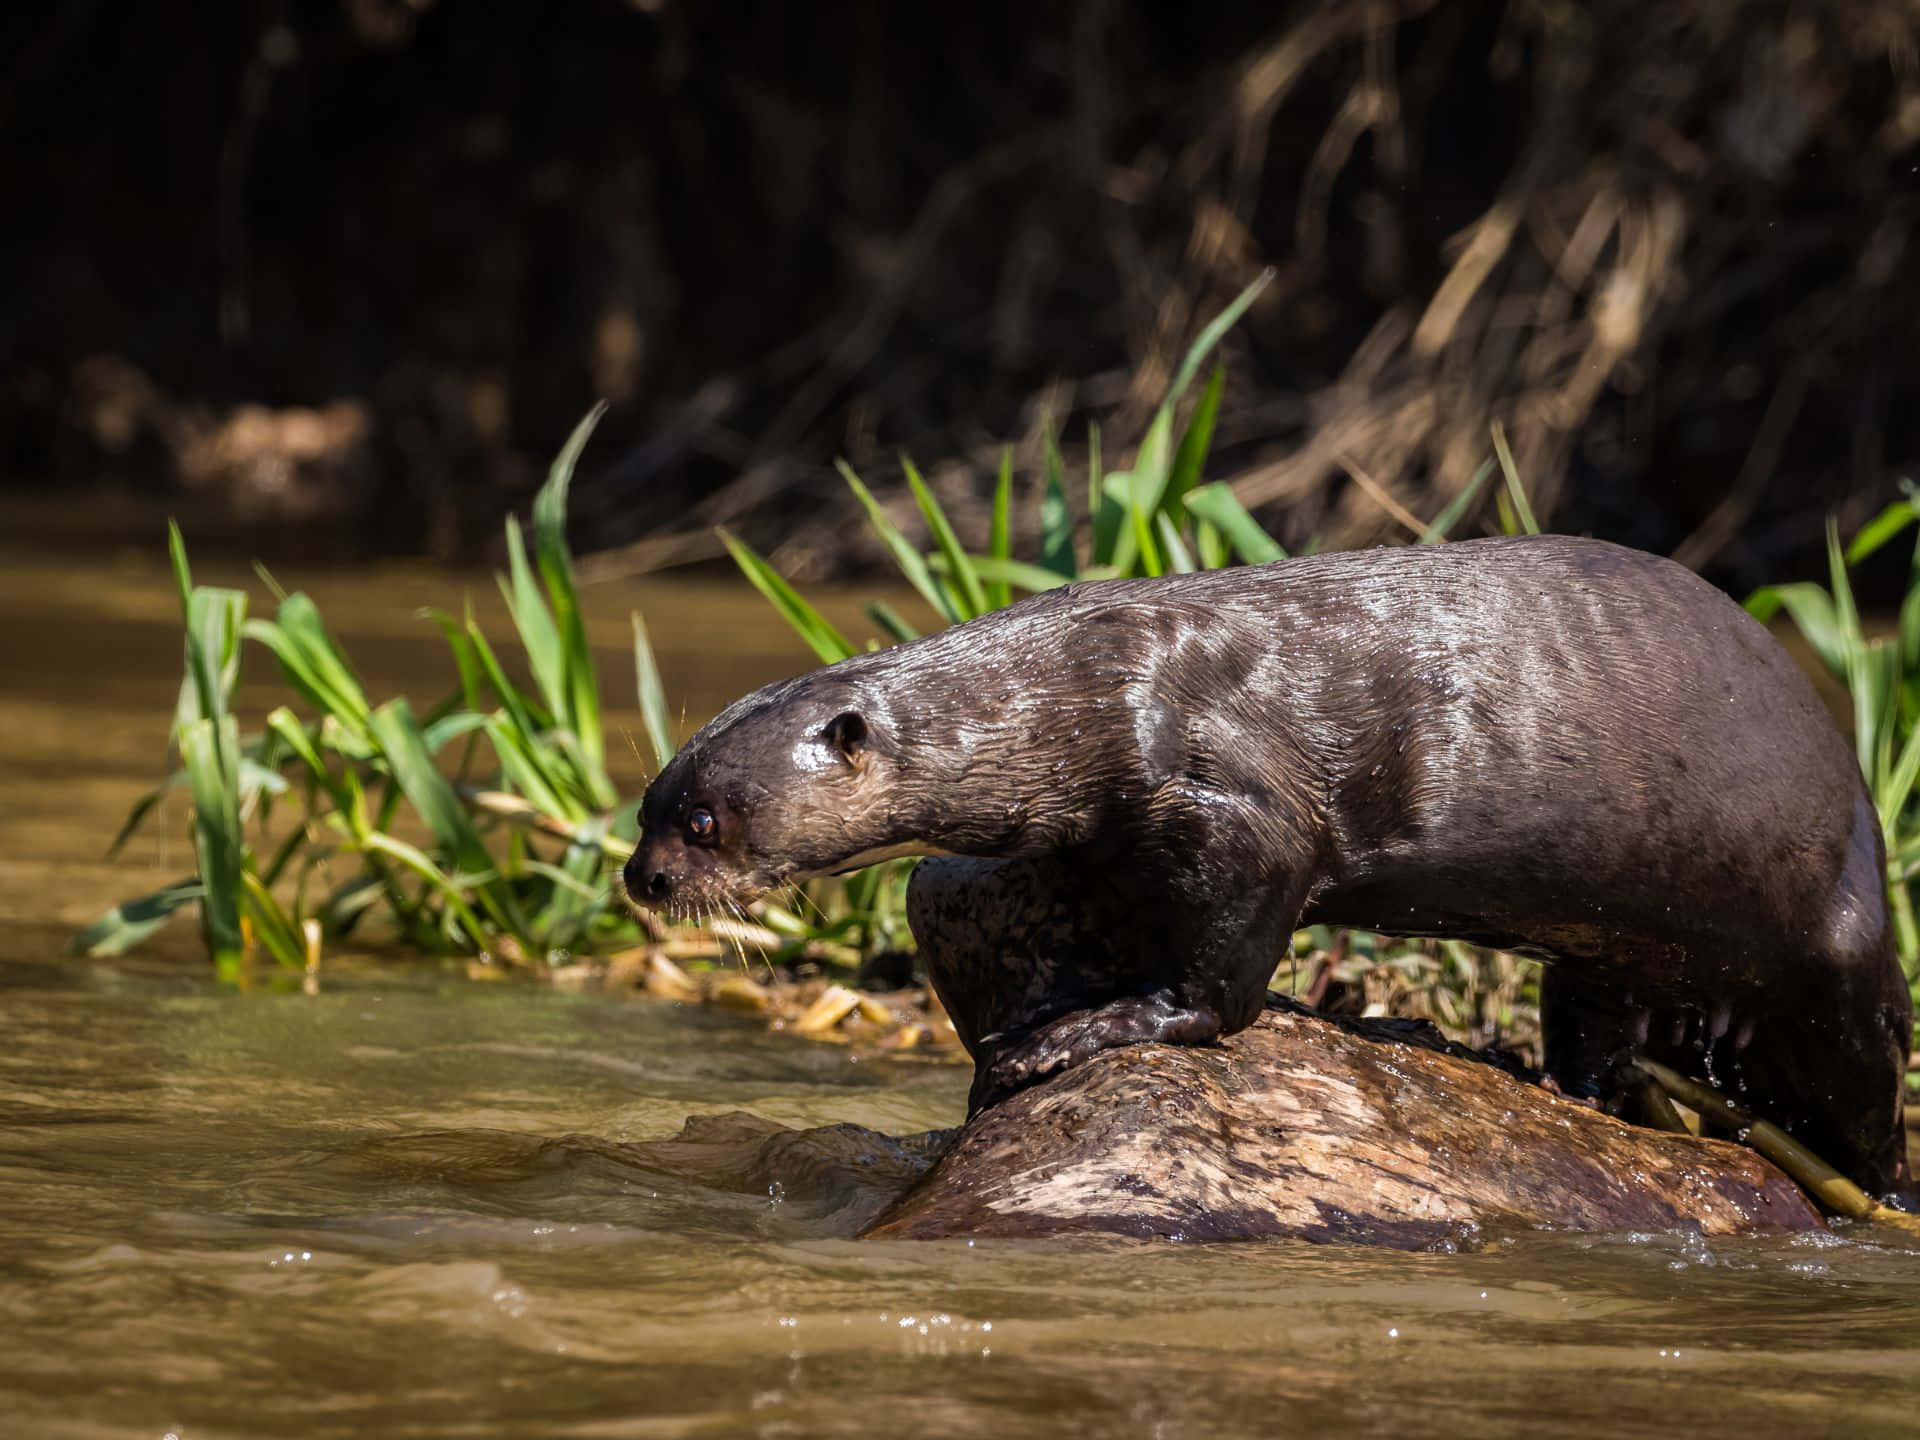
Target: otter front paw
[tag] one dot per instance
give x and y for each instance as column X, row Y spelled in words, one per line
column 1063, row 1043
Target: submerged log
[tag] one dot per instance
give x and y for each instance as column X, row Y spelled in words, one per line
column 1330, row 1131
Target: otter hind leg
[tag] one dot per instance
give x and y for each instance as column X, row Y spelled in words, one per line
column 1815, row 1044
column 1593, row 1025
column 1826, row 1060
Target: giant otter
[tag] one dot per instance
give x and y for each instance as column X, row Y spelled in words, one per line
column 1550, row 745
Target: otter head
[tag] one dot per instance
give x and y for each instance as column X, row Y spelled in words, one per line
column 798, row 779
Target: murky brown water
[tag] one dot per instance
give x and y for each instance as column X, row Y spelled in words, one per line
column 228, row 1214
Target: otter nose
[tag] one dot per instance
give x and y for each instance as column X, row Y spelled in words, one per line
column 646, row 881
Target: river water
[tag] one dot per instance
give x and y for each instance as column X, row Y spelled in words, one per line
column 416, row 1205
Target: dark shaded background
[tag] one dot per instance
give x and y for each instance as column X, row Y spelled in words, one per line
column 340, row 275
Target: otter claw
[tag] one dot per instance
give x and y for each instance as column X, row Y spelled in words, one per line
column 1065, row 1042
column 1034, row 1058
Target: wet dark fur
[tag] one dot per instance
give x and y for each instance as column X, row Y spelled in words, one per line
column 1549, row 744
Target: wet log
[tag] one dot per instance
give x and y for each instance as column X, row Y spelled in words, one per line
column 1329, row 1131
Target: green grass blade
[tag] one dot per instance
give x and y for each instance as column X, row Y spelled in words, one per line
column 1812, row 612
column 544, row 761
column 283, row 723
column 1521, row 509
column 973, row 595
column 1882, row 528
column 1151, row 468
column 523, row 761
column 581, row 707
column 258, row 781
column 1846, row 614
column 1113, row 542
column 177, row 555
column 437, row 804
column 1129, row 499
column 215, row 619
column 311, row 662
column 300, row 618
column 1191, row 458
column 1017, row 573
column 1144, row 549
column 1505, row 515
column 655, row 718
column 526, row 712
column 1179, row 558
column 550, row 505
column 1000, row 540
column 472, row 681
column 573, row 885
column 890, row 621
column 1056, row 520
column 142, row 808
column 808, row 623
column 1123, row 522
column 1457, row 507
column 1221, row 508
column 1211, row 545
column 266, row 576
column 342, row 909
column 911, row 563
column 132, row 921
column 1868, row 669
column 417, row 861
column 556, row 566
column 1910, row 629
column 575, row 896
column 533, row 621
column 1212, row 335
column 1874, row 683
column 1898, row 789
column 441, row 732
column 272, row 926
column 209, row 751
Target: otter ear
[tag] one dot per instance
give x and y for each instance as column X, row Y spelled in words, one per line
column 846, row 734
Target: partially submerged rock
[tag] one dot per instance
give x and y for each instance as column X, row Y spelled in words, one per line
column 1305, row 1127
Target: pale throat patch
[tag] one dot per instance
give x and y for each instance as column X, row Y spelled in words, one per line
column 884, row 852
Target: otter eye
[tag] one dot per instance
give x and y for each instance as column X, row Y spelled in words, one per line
column 700, row 824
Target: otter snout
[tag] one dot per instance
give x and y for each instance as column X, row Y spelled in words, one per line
column 648, row 879
column 667, row 873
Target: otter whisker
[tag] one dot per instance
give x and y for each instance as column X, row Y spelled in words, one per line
column 798, row 900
